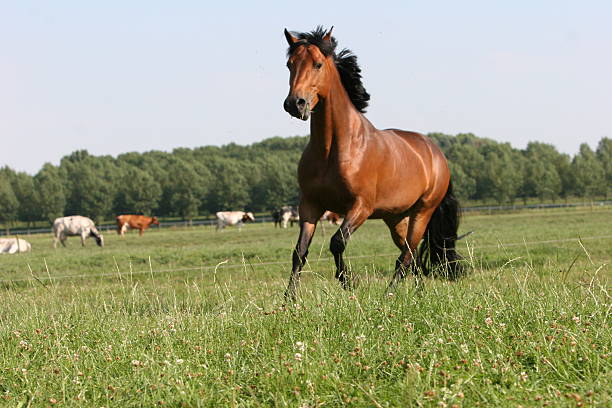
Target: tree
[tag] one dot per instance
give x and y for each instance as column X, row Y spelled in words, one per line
column 185, row 191
column 589, row 176
column 604, row 155
column 278, row 185
column 230, row 186
column 137, row 192
column 464, row 186
column 541, row 178
column 501, row 174
column 50, row 196
column 90, row 185
column 9, row 206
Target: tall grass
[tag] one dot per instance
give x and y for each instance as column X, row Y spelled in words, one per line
column 528, row 327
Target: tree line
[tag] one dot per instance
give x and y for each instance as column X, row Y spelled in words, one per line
column 262, row 176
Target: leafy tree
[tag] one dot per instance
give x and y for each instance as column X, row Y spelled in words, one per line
column 604, row 154
column 541, row 178
column 9, row 206
column 90, row 185
column 23, row 186
column 137, row 192
column 501, row 174
column 589, row 176
column 278, row 185
column 186, row 190
column 230, row 187
column 464, row 186
column 49, row 193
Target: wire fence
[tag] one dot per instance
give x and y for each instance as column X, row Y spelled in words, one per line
column 224, row 265
column 263, row 219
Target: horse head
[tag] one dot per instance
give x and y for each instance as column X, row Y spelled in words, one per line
column 310, row 66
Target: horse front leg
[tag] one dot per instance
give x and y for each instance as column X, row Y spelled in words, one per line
column 353, row 220
column 309, row 215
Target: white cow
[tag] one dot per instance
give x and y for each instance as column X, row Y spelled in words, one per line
column 14, row 245
column 75, row 225
column 237, row 218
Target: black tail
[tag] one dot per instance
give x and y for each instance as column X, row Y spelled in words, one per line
column 437, row 254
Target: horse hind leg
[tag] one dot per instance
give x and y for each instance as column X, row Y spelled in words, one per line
column 411, row 233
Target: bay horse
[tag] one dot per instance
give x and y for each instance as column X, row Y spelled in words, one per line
column 352, row 168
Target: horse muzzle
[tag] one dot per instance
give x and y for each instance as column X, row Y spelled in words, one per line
column 297, row 107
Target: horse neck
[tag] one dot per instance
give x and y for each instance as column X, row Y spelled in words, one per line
column 336, row 121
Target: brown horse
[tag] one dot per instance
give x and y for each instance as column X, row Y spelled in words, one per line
column 352, row 168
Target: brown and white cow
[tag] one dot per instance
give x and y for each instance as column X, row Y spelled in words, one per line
column 285, row 215
column 139, row 222
column 332, row 217
column 237, row 218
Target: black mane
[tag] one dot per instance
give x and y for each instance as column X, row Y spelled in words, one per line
column 346, row 63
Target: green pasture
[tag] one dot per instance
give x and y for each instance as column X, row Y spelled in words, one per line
column 194, row 317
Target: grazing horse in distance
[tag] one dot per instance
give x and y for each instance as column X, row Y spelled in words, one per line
column 75, row 225
column 352, row 168
column 14, row 245
column 139, row 222
column 237, row 218
column 276, row 217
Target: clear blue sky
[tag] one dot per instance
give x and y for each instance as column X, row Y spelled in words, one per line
column 120, row 76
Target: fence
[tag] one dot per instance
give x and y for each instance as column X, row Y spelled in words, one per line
column 261, row 219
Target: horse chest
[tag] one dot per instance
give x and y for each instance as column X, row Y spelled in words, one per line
column 329, row 189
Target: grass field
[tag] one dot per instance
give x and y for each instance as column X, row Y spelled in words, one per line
column 191, row 317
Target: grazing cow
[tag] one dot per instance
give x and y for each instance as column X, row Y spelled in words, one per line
column 75, row 225
column 139, row 222
column 14, row 245
column 237, row 218
column 285, row 215
column 289, row 214
column 332, row 217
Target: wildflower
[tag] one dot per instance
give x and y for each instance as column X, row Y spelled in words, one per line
column 464, row 348
column 298, row 356
column 576, row 319
column 523, row 376
column 361, row 338
column 300, row 346
column 179, row 361
column 488, row 321
column 228, row 356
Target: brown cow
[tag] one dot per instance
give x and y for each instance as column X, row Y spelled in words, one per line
column 139, row 222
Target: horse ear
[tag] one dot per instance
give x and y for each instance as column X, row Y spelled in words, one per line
column 290, row 39
column 328, row 35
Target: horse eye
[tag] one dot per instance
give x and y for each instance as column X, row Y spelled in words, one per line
column 318, row 65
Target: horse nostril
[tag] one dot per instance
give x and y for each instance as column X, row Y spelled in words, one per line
column 300, row 103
